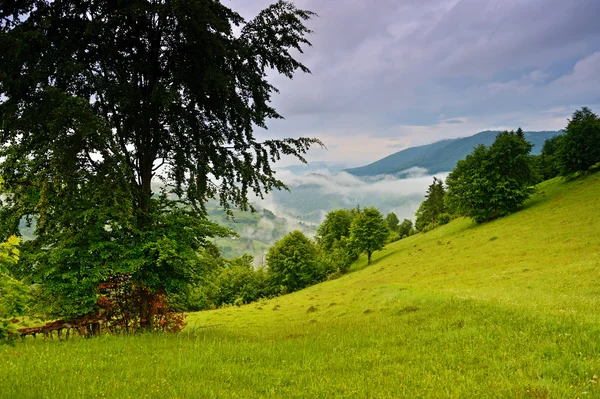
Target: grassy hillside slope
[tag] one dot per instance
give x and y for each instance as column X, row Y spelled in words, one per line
column 508, row 309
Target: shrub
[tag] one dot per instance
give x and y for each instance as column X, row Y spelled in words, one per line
column 444, row 218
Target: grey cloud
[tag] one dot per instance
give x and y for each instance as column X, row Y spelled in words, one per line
column 380, row 67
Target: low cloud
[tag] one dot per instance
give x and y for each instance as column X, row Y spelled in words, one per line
column 311, row 196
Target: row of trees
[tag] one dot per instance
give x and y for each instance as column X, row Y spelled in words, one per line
column 294, row 262
column 575, row 151
column 495, row 181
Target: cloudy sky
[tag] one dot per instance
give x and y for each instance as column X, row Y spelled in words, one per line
column 391, row 74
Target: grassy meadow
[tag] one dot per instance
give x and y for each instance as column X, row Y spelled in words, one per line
column 507, row 309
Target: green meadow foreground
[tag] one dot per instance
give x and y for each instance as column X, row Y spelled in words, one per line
column 508, row 309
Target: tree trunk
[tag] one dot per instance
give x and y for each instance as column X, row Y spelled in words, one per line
column 369, row 257
column 143, row 224
column 145, row 316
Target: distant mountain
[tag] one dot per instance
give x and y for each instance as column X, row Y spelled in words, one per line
column 316, row 167
column 440, row 156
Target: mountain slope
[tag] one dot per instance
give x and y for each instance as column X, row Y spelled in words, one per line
column 440, row 156
column 504, row 309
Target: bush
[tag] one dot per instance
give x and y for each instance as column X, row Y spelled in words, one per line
column 393, row 237
column 444, row 218
column 235, row 282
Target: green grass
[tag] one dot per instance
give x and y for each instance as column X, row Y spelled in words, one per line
column 508, row 309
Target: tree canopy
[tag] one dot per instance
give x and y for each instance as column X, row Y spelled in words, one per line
column 292, row 263
column 493, row 181
column 433, row 206
column 368, row 231
column 580, row 145
column 392, row 221
column 119, row 119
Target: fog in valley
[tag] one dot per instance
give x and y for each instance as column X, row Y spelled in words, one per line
column 312, row 195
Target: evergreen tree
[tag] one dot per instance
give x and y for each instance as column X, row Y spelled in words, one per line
column 548, row 160
column 405, row 228
column 392, row 221
column 580, row 145
column 433, row 205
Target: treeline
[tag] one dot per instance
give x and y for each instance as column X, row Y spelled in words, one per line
column 495, row 181
column 296, row 261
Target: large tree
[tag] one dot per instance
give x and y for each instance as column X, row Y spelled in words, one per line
column 101, row 101
column 580, row 145
column 493, row 181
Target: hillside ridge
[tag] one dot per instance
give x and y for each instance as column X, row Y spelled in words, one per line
column 441, row 156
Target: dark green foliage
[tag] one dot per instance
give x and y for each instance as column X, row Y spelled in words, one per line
column 13, row 293
column 580, row 145
column 444, row 218
column 392, row 221
column 293, row 264
column 548, row 161
column 239, row 283
column 368, row 231
column 231, row 282
column 493, row 182
column 335, row 226
column 405, row 228
column 101, row 101
column 432, row 207
column 333, row 237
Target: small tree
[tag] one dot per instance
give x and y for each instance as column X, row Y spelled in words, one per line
column 333, row 237
column 432, row 207
column 13, row 293
column 335, row 226
column 292, row 263
column 405, row 227
column 548, row 160
column 369, row 231
column 392, row 221
column 580, row 147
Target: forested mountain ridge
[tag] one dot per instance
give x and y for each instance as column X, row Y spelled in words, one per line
column 441, row 156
